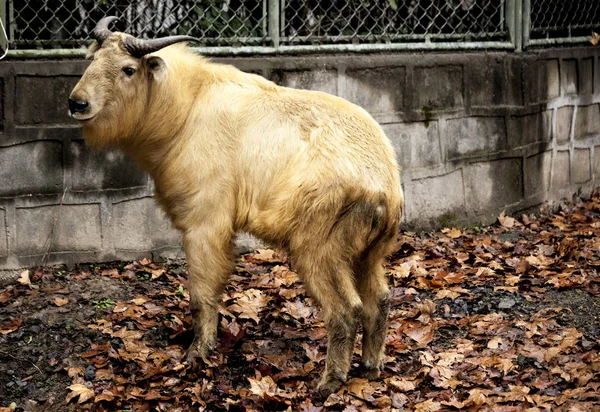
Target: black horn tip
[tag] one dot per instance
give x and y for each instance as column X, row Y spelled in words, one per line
column 105, row 21
column 101, row 31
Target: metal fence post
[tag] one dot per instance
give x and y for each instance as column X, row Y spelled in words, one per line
column 526, row 22
column 3, row 16
column 273, row 16
column 513, row 20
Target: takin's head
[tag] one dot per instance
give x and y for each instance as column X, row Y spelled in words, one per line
column 110, row 98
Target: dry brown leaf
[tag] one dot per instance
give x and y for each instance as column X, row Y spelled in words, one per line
column 106, row 395
column 506, row 221
column 403, row 385
column 249, row 304
column 72, row 372
column 446, row 293
column 422, row 336
column 24, row 278
column 139, row 301
column 58, row 301
column 263, row 387
column 10, row 326
column 428, row 406
column 80, row 390
column 452, row 233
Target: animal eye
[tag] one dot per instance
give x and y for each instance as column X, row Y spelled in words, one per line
column 129, row 71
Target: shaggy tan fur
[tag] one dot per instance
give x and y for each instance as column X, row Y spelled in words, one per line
column 231, row 151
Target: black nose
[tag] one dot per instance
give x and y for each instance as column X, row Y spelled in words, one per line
column 77, row 106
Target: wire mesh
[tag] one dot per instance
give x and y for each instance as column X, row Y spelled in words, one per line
column 564, row 19
column 356, row 21
column 66, row 23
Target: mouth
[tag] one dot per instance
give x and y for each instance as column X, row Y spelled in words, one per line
column 82, row 117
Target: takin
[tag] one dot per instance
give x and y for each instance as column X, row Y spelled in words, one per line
column 230, row 152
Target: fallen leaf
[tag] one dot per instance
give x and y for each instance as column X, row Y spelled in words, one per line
column 263, row 387
column 60, row 301
column 11, row 326
column 422, row 336
column 249, row 304
column 452, row 233
column 80, row 390
column 24, row 278
column 506, row 221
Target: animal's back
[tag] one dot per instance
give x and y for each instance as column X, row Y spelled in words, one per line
column 306, row 151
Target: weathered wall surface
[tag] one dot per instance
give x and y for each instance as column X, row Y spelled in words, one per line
column 475, row 133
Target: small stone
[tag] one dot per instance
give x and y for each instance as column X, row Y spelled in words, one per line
column 90, row 373
column 506, row 303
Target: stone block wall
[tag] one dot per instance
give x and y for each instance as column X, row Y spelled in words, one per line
column 475, row 134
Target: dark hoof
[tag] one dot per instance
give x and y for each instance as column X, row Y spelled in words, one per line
column 329, row 385
column 197, row 356
column 371, row 374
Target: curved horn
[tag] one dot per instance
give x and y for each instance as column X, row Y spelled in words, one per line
column 101, row 32
column 141, row 47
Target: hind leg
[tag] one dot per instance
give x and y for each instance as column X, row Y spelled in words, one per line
column 329, row 281
column 375, row 294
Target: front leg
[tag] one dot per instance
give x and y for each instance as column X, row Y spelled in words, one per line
column 210, row 261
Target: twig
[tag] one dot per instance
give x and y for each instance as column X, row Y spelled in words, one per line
column 48, row 242
column 19, row 360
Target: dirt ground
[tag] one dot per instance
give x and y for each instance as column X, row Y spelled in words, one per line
column 503, row 318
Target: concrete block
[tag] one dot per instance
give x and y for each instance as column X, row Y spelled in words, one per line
column 438, row 88
column 57, row 228
column 528, row 129
column 569, row 76
column 587, row 121
column 491, row 186
column 586, row 76
column 487, row 82
column 490, row 82
column 140, row 225
column 564, row 118
column 474, row 136
column 31, row 168
column 582, row 168
column 552, row 79
column 94, row 170
column 3, row 234
column 538, row 169
column 377, row 90
column 433, row 197
column 43, row 100
column 541, row 80
column 417, row 144
column 561, row 170
column 321, row 80
column 597, row 162
column 2, row 104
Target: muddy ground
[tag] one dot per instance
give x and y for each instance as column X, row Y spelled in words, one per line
column 504, row 318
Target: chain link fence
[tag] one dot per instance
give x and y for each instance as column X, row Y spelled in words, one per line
column 556, row 21
column 390, row 21
column 66, row 23
column 277, row 25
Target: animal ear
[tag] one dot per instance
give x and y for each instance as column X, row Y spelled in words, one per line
column 94, row 47
column 156, row 66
